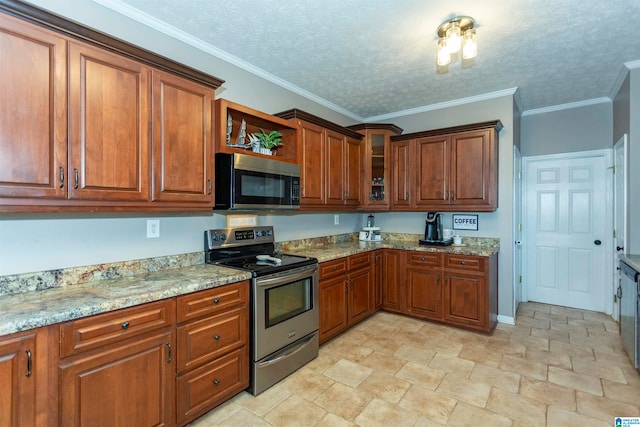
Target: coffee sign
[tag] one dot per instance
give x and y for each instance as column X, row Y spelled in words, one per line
column 465, row 222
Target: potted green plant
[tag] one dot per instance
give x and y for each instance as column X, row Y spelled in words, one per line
column 268, row 141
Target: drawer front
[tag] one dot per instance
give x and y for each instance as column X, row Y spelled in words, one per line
column 360, row 261
column 203, row 340
column 465, row 262
column 332, row 268
column 108, row 328
column 212, row 301
column 425, row 259
column 204, row 388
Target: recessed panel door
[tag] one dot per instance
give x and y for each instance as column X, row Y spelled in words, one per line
column 566, row 231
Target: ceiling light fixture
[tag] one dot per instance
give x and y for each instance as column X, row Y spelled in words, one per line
column 455, row 34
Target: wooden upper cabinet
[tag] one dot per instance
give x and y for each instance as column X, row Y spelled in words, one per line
column 33, row 111
column 312, row 165
column 402, row 174
column 456, row 169
column 182, row 140
column 109, row 117
column 432, row 171
column 335, row 168
column 353, row 171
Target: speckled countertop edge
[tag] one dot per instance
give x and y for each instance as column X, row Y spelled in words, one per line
column 28, row 310
column 632, row 261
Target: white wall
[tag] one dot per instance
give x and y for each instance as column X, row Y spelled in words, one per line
column 569, row 130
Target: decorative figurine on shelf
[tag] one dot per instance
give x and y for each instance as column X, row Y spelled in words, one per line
column 242, row 134
column 254, row 141
column 229, row 128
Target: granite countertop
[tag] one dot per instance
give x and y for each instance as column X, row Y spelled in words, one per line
column 338, row 250
column 632, row 260
column 32, row 309
column 33, row 300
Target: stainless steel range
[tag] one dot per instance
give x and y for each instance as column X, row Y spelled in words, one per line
column 284, row 300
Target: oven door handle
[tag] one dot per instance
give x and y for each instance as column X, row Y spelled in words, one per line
column 287, row 277
column 293, row 350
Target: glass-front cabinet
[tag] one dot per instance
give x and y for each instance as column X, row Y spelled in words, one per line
column 376, row 164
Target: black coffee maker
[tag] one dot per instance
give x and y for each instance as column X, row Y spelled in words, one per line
column 433, row 232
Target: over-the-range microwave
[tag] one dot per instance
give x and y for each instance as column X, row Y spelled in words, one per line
column 246, row 182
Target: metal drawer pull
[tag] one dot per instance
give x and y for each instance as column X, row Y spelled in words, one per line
column 216, row 300
column 61, row 177
column 210, row 186
column 75, row 178
column 29, row 363
column 125, row 326
column 169, row 352
column 216, row 337
column 216, row 381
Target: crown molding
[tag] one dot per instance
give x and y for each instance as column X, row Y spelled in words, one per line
column 441, row 105
column 624, row 71
column 567, row 106
column 162, row 27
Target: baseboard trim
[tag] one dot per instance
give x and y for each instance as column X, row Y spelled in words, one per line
column 506, row 319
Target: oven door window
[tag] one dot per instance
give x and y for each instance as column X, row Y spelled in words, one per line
column 286, row 301
column 262, row 188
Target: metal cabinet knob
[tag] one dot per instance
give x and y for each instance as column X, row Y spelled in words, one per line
column 216, row 381
column 125, row 326
column 216, row 337
column 216, row 300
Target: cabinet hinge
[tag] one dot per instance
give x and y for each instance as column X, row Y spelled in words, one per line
column 615, row 234
column 520, row 279
column 519, row 175
column 519, row 227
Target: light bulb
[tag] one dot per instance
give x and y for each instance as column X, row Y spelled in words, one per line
column 454, row 41
column 443, row 56
column 469, row 45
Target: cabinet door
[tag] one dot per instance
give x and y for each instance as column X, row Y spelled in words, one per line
column 402, row 174
column 17, row 381
column 33, row 111
column 392, row 298
column 353, row 171
column 360, row 293
column 182, row 141
column 472, row 163
column 333, row 307
column 432, row 155
column 375, row 176
column 312, row 168
column 378, row 278
column 424, row 292
column 109, row 134
column 127, row 384
column 465, row 299
column 336, row 190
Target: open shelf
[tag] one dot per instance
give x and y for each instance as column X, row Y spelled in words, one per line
column 255, row 120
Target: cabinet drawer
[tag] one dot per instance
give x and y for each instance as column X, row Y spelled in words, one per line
column 424, row 259
column 204, row 388
column 212, row 301
column 465, row 262
column 203, row 340
column 360, row 261
column 103, row 329
column 332, row 268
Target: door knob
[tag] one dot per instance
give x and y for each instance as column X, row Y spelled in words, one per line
column 597, row 242
column 619, row 248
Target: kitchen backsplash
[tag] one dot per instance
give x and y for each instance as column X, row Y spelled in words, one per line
column 17, row 283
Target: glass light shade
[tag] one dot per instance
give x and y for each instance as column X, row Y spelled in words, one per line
column 454, row 40
column 444, row 58
column 469, row 44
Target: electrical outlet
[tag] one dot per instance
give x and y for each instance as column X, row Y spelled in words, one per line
column 153, row 228
column 336, row 219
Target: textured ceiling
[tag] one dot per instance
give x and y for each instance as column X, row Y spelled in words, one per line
column 374, row 58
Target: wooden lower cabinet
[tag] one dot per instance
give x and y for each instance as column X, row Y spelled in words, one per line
column 346, row 293
column 393, row 283
column 459, row 290
column 378, row 278
column 212, row 348
column 25, row 381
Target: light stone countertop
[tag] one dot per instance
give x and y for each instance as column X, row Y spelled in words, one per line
column 632, row 260
column 39, row 299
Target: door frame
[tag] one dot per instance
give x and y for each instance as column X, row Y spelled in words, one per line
column 607, row 154
column 623, row 144
column 518, row 283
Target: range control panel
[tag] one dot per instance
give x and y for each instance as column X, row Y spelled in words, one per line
column 230, row 237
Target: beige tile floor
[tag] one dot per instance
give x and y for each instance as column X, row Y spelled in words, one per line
column 556, row 367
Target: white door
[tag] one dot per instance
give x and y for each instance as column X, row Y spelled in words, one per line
column 619, row 208
column 566, row 231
